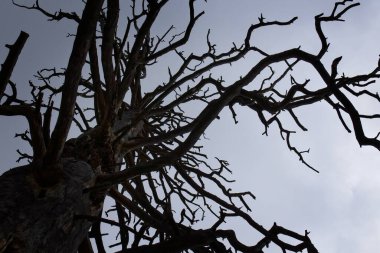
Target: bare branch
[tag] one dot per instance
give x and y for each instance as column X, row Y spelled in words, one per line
column 77, row 59
column 11, row 60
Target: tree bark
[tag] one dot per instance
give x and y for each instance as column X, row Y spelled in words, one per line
column 35, row 219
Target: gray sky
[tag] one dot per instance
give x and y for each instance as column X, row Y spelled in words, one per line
column 340, row 205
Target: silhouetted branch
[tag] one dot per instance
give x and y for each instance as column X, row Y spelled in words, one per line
column 35, row 125
column 11, row 60
column 57, row 16
column 82, row 42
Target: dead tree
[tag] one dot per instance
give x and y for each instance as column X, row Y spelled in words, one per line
column 138, row 145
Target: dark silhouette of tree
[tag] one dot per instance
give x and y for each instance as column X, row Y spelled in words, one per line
column 140, row 148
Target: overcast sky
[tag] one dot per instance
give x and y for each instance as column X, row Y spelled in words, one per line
column 340, row 205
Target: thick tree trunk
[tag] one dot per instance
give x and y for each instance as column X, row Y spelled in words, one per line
column 33, row 219
column 37, row 219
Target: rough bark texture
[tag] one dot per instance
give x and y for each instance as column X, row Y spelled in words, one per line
column 34, row 219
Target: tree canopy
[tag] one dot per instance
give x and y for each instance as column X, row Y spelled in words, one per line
column 142, row 101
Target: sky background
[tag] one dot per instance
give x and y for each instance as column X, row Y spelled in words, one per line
column 340, row 205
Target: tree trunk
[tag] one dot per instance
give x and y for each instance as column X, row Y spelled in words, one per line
column 34, row 219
